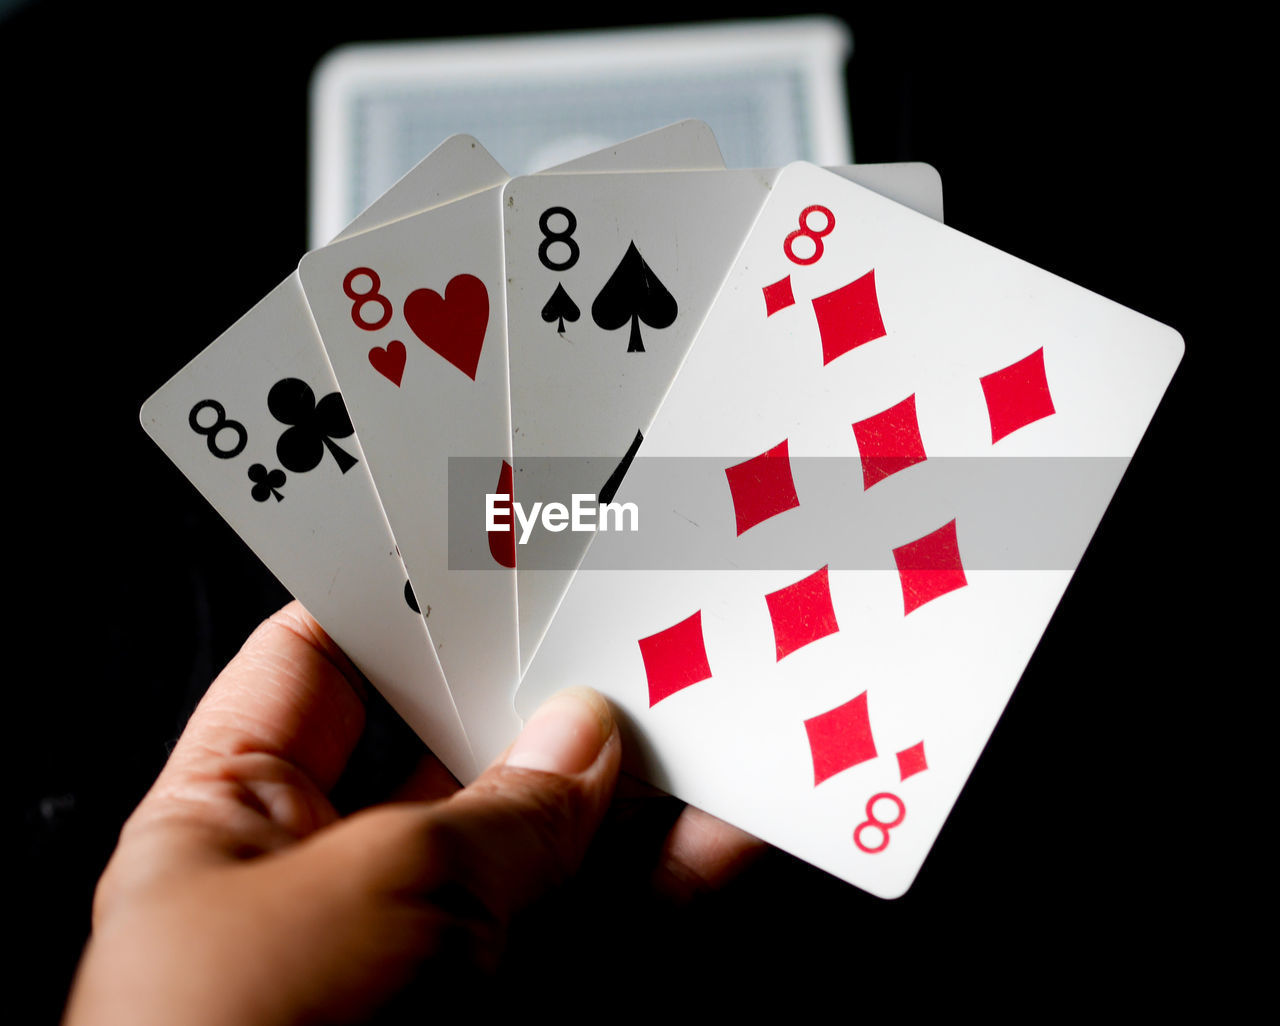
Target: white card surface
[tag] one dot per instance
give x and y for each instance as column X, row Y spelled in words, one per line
column 413, row 322
column 860, row 504
column 609, row 277
column 322, row 531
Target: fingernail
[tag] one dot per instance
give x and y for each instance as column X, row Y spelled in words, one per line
column 565, row 735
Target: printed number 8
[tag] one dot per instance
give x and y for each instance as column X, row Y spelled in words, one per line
column 883, row 825
column 220, row 423
column 372, row 295
column 565, row 238
column 788, row 244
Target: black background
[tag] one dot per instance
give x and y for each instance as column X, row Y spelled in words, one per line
column 155, row 188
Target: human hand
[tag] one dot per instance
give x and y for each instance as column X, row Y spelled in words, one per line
column 238, row 894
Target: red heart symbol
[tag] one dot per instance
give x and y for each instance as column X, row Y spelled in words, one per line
column 502, row 544
column 389, row 362
column 453, row 326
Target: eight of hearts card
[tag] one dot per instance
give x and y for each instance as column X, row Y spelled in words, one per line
column 413, row 324
column 857, row 509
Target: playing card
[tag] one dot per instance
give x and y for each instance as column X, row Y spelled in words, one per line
column 608, row 279
column 413, row 322
column 773, row 91
column 257, row 424
column 863, row 495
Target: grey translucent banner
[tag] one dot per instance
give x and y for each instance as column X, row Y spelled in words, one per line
column 684, row 514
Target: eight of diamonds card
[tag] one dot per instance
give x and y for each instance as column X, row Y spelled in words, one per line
column 857, row 509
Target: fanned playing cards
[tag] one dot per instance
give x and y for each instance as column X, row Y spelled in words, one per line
column 790, row 471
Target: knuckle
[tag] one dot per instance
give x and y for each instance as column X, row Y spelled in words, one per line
column 553, row 815
column 507, row 838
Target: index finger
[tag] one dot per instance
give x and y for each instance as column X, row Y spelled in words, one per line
column 290, row 693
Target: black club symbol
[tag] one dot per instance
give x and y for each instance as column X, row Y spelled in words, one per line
column 314, row 426
column 266, row 482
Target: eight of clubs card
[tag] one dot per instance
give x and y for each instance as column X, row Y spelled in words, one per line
column 257, row 424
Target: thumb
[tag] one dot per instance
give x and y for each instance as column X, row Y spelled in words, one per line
column 525, row 823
